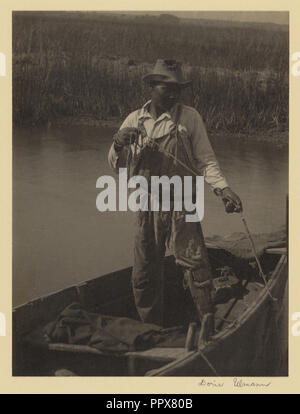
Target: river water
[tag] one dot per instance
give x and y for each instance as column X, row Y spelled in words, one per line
column 60, row 238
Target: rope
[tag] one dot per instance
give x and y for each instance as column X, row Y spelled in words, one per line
column 152, row 142
column 208, row 363
column 178, row 112
column 176, row 146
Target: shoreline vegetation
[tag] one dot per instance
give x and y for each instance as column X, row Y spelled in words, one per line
column 273, row 136
column 87, row 68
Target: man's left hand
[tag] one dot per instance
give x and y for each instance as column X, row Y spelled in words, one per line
column 232, row 201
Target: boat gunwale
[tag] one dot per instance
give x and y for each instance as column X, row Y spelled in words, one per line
column 75, row 289
column 262, row 297
column 86, row 282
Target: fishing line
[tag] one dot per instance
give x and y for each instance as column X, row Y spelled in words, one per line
column 256, row 257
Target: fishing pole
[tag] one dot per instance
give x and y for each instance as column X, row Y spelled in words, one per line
column 228, row 207
column 256, row 256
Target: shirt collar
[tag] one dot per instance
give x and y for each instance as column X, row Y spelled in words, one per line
column 145, row 114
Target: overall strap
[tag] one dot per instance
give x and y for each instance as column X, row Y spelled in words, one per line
column 141, row 128
column 177, row 113
column 176, row 121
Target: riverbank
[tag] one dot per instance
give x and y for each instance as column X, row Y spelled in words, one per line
column 275, row 137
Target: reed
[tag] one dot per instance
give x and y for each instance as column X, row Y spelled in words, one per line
column 74, row 67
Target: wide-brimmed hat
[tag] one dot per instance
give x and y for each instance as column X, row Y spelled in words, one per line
column 168, row 71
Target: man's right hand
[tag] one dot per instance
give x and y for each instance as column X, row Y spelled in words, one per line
column 125, row 136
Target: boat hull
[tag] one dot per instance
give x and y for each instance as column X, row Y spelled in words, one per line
column 251, row 342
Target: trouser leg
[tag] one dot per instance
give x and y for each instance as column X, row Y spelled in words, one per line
column 190, row 252
column 149, row 251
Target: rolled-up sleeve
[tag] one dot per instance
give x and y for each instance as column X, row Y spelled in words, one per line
column 204, row 156
column 116, row 159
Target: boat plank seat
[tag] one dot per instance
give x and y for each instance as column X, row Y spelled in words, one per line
column 161, row 354
column 277, row 250
column 36, row 340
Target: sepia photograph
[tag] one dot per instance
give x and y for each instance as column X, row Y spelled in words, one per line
column 150, row 193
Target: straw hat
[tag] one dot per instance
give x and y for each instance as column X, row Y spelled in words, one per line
column 169, row 71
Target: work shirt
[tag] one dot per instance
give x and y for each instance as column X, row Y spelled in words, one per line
column 190, row 122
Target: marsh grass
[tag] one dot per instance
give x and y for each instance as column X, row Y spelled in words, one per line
column 73, row 67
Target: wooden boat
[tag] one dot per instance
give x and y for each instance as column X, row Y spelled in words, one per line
column 250, row 337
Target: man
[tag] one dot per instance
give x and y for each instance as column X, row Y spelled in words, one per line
column 178, row 130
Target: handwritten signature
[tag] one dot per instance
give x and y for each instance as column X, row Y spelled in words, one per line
column 210, row 383
column 237, row 382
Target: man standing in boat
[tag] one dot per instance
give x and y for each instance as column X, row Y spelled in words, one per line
column 178, row 130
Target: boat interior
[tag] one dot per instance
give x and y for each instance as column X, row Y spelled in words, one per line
column 111, row 295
